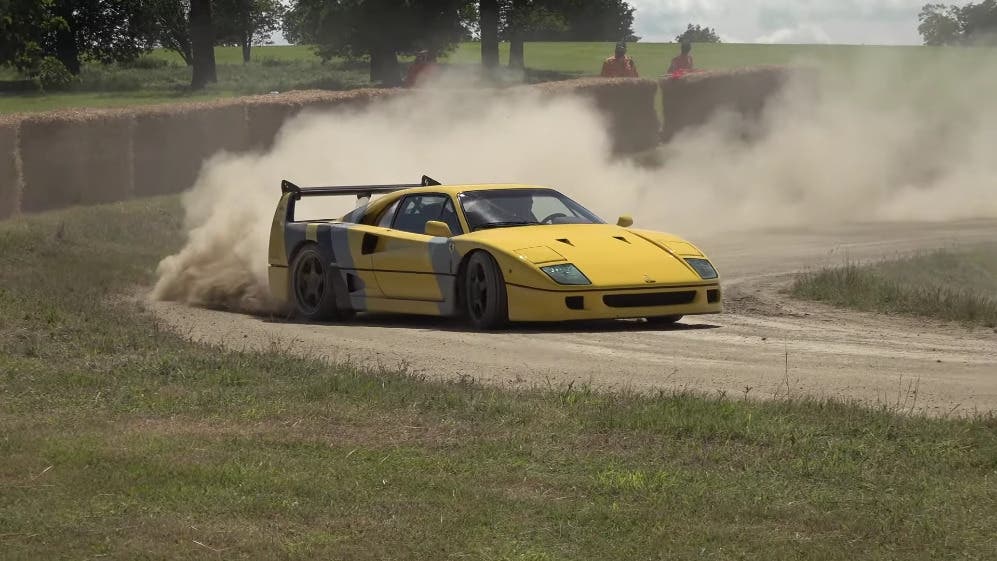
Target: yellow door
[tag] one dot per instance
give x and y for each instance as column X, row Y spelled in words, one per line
column 409, row 264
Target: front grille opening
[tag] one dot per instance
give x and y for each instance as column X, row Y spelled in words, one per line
column 575, row 302
column 713, row 295
column 649, row 299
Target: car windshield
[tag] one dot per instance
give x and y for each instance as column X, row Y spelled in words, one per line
column 501, row 208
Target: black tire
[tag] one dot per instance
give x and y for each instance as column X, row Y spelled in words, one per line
column 313, row 292
column 486, row 303
column 663, row 320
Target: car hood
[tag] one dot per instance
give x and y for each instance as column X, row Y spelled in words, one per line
column 607, row 254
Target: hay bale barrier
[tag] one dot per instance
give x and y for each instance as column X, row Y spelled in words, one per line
column 626, row 103
column 172, row 142
column 75, row 158
column 10, row 176
column 266, row 114
column 693, row 99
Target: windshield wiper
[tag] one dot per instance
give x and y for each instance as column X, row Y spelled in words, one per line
column 487, row 225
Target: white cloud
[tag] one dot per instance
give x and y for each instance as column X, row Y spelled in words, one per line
column 802, row 21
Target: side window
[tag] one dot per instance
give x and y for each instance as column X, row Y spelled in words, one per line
column 416, row 210
column 450, row 217
column 388, row 215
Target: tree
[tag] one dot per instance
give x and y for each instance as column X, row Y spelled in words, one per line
column 105, row 30
column 972, row 24
column 939, row 24
column 979, row 23
column 489, row 25
column 589, row 20
column 378, row 29
column 697, row 34
column 526, row 19
column 74, row 30
column 246, row 22
column 25, row 26
column 202, row 42
column 171, row 25
column 564, row 20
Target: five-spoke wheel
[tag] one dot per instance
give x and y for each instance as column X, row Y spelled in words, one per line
column 485, row 298
column 311, row 285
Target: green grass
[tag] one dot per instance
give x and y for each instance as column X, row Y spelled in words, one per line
column 282, row 68
column 945, row 284
column 121, row 441
column 161, row 79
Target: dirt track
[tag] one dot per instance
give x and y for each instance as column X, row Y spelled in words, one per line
column 764, row 345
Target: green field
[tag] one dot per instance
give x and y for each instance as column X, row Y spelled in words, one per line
column 281, row 68
column 121, row 441
column 946, row 284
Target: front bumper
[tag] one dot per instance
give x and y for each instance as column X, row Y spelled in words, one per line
column 531, row 304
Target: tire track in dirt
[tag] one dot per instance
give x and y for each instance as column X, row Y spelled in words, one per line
column 764, row 345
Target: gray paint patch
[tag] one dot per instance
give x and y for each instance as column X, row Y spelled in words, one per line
column 442, row 257
column 339, row 241
column 294, row 235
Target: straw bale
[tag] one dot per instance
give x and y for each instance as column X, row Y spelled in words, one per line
column 693, row 99
column 10, row 177
column 75, row 157
column 266, row 114
column 626, row 103
column 172, row 142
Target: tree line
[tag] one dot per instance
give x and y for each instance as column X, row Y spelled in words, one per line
column 38, row 36
column 969, row 24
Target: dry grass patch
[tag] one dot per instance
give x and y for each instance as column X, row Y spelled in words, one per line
column 950, row 285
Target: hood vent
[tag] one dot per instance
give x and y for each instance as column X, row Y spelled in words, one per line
column 566, row 241
column 622, row 239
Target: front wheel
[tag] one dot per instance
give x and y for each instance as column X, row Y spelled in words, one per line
column 485, row 299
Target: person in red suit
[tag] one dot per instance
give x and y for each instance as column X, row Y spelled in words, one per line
column 682, row 63
column 619, row 65
column 423, row 67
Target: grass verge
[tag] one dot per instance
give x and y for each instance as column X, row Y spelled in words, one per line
column 944, row 284
column 122, row 441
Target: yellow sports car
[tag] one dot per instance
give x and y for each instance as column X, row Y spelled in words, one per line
column 489, row 253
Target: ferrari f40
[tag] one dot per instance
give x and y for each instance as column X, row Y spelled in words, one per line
column 490, row 254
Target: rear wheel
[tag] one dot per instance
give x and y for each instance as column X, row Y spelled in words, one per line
column 485, row 299
column 312, row 286
column 663, row 320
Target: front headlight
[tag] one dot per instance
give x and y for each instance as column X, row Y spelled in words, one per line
column 703, row 267
column 565, row 274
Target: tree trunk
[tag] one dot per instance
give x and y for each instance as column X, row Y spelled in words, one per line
column 202, row 42
column 384, row 66
column 517, row 51
column 489, row 12
column 247, row 44
column 247, row 32
column 66, row 49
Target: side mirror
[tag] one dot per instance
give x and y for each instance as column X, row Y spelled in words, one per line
column 438, row 229
column 625, row 221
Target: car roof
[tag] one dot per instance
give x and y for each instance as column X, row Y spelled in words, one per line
column 455, row 189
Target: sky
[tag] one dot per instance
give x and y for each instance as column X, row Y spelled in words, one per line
column 872, row 22
column 879, row 22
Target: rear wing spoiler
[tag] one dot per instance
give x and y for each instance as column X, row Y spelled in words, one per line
column 361, row 191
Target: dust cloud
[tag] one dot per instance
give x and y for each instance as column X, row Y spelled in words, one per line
column 880, row 140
